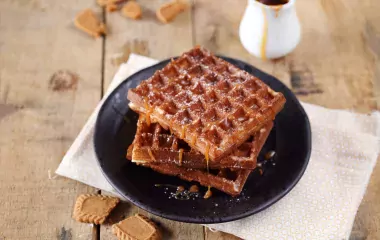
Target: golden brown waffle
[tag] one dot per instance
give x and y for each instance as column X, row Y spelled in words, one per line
column 206, row 101
column 230, row 181
column 154, row 144
column 226, row 180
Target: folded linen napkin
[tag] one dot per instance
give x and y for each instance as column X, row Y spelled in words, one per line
column 322, row 205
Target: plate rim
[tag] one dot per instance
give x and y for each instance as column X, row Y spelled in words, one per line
column 208, row 220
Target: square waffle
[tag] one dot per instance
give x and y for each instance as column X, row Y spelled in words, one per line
column 228, row 180
column 154, row 144
column 206, row 101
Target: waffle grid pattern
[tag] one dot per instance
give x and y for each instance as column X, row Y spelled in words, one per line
column 199, row 96
column 226, row 180
column 155, row 144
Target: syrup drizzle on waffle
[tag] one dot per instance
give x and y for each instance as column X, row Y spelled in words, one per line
column 180, row 156
column 183, row 133
column 208, row 193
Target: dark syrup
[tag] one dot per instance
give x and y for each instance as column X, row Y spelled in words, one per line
column 273, row 2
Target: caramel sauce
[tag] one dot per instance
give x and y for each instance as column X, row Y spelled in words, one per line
column 207, row 156
column 269, row 155
column 151, row 154
column 193, row 140
column 147, row 118
column 180, row 188
column 277, row 10
column 146, row 103
column 183, row 132
column 175, row 145
column 208, row 194
column 194, row 189
column 180, row 156
column 148, row 111
column 265, row 35
column 170, row 128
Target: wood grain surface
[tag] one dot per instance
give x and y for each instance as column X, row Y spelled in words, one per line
column 52, row 76
column 49, row 84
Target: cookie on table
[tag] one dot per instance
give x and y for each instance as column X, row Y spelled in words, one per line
column 132, row 10
column 137, row 227
column 89, row 23
column 168, row 11
column 94, row 208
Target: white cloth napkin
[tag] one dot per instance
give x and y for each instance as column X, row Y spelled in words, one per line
column 322, row 205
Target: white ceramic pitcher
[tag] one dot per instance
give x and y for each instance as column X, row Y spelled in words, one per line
column 270, row 31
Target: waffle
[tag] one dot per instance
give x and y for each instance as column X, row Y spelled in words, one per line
column 226, row 180
column 154, row 144
column 206, row 101
column 230, row 181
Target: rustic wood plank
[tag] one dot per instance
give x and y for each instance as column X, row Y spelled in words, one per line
column 367, row 221
column 151, row 38
column 371, row 33
column 146, row 36
column 45, row 108
column 333, row 56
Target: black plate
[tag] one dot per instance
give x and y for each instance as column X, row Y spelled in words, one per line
column 290, row 138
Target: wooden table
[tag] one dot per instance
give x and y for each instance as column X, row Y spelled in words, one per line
column 336, row 65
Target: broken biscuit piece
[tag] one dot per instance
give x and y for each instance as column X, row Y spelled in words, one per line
column 94, row 208
column 89, row 23
column 169, row 11
column 131, row 10
column 137, row 227
column 112, row 7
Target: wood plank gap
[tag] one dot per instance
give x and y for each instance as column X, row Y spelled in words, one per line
column 96, row 232
column 96, row 227
column 192, row 18
column 104, row 39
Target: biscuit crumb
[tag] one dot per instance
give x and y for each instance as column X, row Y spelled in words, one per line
column 168, row 11
column 137, row 227
column 131, row 10
column 89, row 23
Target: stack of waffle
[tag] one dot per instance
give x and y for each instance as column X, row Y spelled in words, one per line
column 203, row 119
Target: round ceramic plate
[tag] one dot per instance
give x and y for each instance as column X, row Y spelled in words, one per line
column 290, row 139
